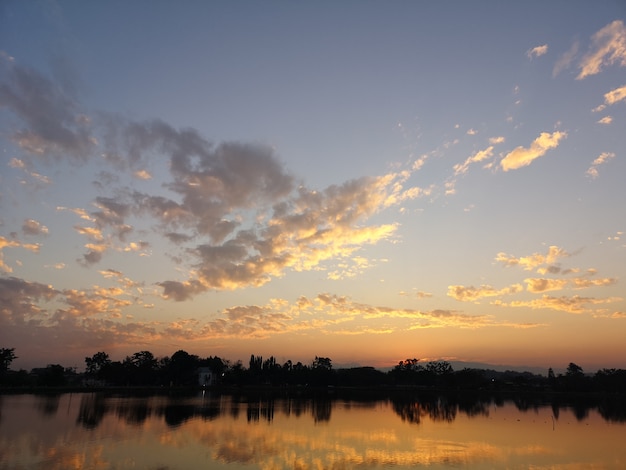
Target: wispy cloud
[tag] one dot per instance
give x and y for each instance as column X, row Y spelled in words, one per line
column 532, row 261
column 537, row 51
column 53, row 123
column 575, row 304
column 471, row 293
column 565, row 60
column 604, row 157
column 608, row 47
column 522, row 156
column 8, row 243
column 94, row 317
column 537, row 285
column 461, row 168
column 615, row 96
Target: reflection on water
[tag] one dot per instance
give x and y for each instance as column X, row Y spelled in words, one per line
column 98, row 431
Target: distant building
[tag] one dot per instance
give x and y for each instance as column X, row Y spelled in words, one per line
column 205, row 377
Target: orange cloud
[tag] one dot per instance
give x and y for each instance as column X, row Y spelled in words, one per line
column 575, row 304
column 521, row 156
column 604, row 157
column 608, row 47
column 534, row 260
column 471, row 293
column 615, row 96
column 537, row 51
column 6, row 243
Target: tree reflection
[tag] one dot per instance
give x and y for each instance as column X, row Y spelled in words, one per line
column 613, row 409
column 321, row 410
column 134, row 412
column 410, row 407
column 177, row 414
column 437, row 408
column 92, row 409
column 48, row 405
column 474, row 405
column 261, row 409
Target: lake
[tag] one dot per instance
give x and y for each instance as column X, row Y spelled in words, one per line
column 219, row 431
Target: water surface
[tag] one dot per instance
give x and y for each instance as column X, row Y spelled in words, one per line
column 97, row 431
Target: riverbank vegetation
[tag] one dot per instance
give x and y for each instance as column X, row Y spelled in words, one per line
column 143, row 369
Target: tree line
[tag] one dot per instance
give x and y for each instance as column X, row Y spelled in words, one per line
column 181, row 369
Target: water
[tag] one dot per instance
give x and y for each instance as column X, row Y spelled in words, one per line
column 97, row 431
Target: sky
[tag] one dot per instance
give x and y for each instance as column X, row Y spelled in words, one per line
column 365, row 181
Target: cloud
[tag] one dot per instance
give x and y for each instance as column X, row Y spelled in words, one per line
column 536, row 285
column 251, row 220
column 143, row 175
column 532, row 261
column 606, row 120
column 301, row 231
column 521, row 156
column 19, row 164
column 604, row 157
column 53, row 123
column 32, row 227
column 479, row 156
column 248, row 216
column 565, row 60
column 615, row 96
column 94, row 318
column 55, row 266
column 542, row 285
column 471, row 293
column 537, row 51
column 575, row 304
column 608, row 47
column 7, row 243
column 67, row 320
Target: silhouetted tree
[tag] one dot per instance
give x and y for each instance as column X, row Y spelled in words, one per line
column 574, row 370
column 610, row 380
column 96, row 364
column 182, row 369
column 7, row 356
column 575, row 379
column 322, row 372
column 52, row 376
column 361, row 376
column 141, row 368
column 470, row 378
column 218, row 365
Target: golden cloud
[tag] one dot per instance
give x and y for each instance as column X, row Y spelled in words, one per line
column 522, row 156
column 471, row 293
column 615, row 96
column 575, row 304
column 608, row 47
column 604, row 157
column 534, row 260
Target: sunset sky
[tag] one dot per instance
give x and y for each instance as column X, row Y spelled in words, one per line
column 366, row 181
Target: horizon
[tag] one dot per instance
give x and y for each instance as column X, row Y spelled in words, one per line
column 372, row 181
column 347, row 365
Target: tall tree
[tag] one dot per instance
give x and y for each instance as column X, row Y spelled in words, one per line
column 97, row 363
column 7, row 356
column 182, row 368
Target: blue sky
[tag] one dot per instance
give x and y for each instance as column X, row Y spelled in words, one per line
column 366, row 181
